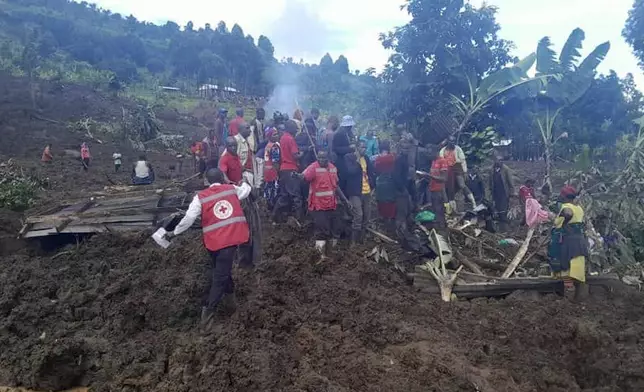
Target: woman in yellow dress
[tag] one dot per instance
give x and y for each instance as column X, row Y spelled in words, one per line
column 568, row 245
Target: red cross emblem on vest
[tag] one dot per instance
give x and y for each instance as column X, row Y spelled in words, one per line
column 223, row 209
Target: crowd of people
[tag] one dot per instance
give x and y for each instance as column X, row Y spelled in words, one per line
column 328, row 174
column 303, row 169
column 339, row 179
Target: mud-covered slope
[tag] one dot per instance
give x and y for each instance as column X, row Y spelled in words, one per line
column 119, row 314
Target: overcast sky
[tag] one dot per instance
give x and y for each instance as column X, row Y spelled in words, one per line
column 309, row 28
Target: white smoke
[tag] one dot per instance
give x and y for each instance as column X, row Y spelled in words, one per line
column 284, row 98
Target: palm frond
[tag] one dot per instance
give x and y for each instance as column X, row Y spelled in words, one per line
column 592, row 61
column 570, row 51
column 546, row 57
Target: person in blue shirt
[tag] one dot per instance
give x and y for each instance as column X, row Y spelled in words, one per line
column 371, row 140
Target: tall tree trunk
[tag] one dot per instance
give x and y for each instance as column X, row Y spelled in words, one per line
column 548, row 161
column 32, row 90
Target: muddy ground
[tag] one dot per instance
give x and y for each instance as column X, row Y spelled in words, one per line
column 117, row 313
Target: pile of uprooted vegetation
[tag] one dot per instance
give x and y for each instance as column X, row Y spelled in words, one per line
column 119, row 313
column 18, row 190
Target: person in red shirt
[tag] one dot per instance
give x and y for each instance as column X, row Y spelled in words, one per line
column 323, row 179
column 229, row 162
column 386, row 190
column 437, row 179
column 233, row 128
column 289, row 196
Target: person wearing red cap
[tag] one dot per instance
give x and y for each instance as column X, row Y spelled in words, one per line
column 568, row 245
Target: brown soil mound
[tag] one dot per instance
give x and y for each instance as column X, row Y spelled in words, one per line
column 119, row 314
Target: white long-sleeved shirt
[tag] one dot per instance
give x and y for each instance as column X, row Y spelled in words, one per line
column 460, row 156
column 194, row 210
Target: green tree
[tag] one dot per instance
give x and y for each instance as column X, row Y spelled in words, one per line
column 30, row 61
column 634, row 30
column 444, row 41
column 341, row 65
column 266, row 46
column 571, row 81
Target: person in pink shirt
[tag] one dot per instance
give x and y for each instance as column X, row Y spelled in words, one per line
column 47, row 157
column 85, row 156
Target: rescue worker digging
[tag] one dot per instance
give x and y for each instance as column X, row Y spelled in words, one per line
column 224, row 228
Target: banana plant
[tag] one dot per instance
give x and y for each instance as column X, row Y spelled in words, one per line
column 569, row 82
column 492, row 86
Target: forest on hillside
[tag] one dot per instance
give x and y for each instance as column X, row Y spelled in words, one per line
column 450, row 73
column 447, row 47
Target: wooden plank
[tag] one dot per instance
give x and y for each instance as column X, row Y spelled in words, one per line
column 123, row 227
column 132, row 211
column 40, row 233
column 132, row 224
column 115, row 203
column 25, row 227
column 116, row 219
column 502, row 287
column 85, row 229
column 477, row 290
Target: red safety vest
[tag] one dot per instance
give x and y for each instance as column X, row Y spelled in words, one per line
column 324, row 182
column 222, row 218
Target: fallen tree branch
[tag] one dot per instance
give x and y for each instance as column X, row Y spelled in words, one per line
column 471, row 265
column 109, row 179
column 480, row 242
column 37, row 117
column 519, row 256
column 61, row 254
column 382, row 236
column 187, row 179
column 445, row 280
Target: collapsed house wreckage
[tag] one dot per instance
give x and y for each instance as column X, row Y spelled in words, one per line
column 465, row 262
column 116, row 209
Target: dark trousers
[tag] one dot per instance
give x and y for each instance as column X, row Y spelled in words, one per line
column 501, row 207
column 326, row 224
column 403, row 207
column 438, row 207
column 270, row 193
column 361, row 211
column 222, row 280
column 289, row 197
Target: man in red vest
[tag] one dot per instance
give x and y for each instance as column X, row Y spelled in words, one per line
column 224, row 228
column 323, row 179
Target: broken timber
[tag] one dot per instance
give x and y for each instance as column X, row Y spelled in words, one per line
column 470, row 286
column 128, row 210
